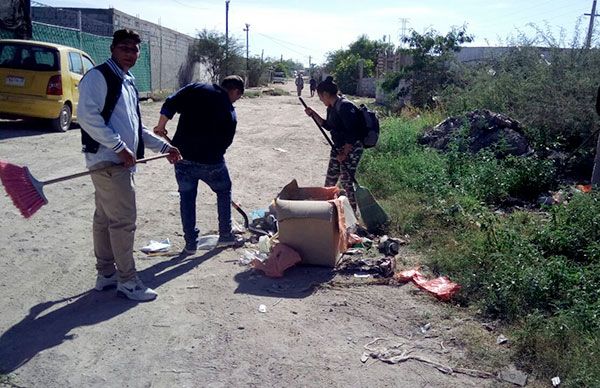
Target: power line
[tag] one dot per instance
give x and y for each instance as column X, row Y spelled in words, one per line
column 277, row 42
column 187, row 5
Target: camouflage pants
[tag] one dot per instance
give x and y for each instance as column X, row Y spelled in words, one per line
column 344, row 171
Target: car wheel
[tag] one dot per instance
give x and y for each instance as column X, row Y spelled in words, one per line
column 63, row 122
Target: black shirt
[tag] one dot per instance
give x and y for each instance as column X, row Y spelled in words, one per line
column 207, row 123
column 343, row 121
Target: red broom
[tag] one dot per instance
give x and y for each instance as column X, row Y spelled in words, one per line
column 27, row 192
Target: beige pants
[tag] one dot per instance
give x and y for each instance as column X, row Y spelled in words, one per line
column 114, row 221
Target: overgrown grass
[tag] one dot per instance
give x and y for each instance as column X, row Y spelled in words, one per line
column 537, row 271
column 252, row 94
column 276, row 92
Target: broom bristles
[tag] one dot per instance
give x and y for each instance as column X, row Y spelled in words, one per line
column 22, row 188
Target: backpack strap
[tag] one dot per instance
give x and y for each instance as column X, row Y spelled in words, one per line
column 114, row 85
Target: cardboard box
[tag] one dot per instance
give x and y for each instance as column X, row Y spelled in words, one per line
column 310, row 221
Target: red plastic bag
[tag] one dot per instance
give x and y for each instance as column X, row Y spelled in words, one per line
column 281, row 258
column 442, row 288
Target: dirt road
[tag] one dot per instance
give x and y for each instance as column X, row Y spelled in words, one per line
column 204, row 330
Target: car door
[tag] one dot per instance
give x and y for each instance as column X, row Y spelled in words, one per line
column 76, row 71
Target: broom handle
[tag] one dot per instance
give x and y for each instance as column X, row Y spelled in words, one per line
column 88, row 172
column 318, row 125
column 324, row 134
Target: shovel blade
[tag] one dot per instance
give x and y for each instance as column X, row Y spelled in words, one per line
column 371, row 213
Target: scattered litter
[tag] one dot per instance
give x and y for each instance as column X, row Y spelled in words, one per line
column 389, row 246
column 513, row 376
column 583, row 189
column 251, row 255
column 207, row 242
column 157, row 246
column 442, row 288
column 257, row 213
column 354, row 239
column 425, row 328
column 264, row 244
column 555, row 381
column 378, row 267
column 236, row 227
column 280, row 150
column 501, row 339
column 262, row 308
column 276, row 303
column 364, row 357
column 281, row 258
column 394, row 354
column 262, row 222
column 192, row 287
column 362, row 275
column 354, row 251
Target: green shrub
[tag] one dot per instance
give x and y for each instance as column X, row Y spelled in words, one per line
column 538, row 272
column 550, row 90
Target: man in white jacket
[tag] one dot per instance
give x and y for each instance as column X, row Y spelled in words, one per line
column 113, row 136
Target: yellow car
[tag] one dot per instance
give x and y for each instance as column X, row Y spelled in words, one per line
column 40, row 80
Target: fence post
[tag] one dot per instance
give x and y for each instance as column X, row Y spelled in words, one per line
column 79, row 29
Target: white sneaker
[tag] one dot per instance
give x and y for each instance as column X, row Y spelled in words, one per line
column 103, row 282
column 134, row 289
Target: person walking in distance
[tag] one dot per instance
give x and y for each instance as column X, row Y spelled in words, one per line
column 313, row 86
column 299, row 84
column 113, row 136
column 205, row 130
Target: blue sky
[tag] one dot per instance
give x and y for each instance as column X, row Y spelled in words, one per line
column 308, row 29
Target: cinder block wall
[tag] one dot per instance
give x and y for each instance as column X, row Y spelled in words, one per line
column 366, row 87
column 168, row 48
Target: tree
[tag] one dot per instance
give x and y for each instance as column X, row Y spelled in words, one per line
column 211, row 50
column 344, row 64
column 432, row 54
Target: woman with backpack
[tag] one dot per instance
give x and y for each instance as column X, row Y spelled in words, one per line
column 345, row 123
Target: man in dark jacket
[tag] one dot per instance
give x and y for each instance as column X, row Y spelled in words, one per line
column 205, row 130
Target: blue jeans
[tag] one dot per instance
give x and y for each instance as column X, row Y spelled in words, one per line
column 216, row 176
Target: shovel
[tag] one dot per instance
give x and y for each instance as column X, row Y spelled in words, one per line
column 371, row 213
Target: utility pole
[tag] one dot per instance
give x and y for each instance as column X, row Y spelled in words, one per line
column 247, row 29
column 226, row 37
column 79, row 29
column 592, row 15
column 404, row 22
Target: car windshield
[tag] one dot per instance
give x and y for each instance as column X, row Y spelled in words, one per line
column 28, row 57
column 279, row 74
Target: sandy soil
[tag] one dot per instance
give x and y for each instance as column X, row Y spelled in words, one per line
column 204, row 330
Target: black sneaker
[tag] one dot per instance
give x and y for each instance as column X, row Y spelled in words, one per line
column 230, row 241
column 190, row 247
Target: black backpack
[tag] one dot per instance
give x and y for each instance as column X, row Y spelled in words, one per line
column 370, row 125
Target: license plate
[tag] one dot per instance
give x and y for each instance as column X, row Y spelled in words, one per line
column 12, row 80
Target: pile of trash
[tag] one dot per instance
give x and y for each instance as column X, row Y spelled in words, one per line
column 311, row 226
column 483, row 129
